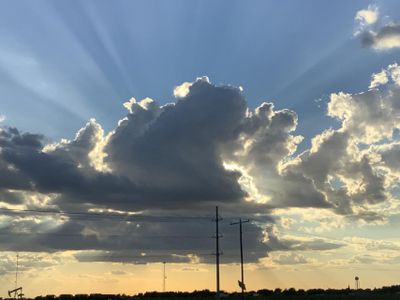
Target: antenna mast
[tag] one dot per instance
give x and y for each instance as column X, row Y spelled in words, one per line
column 17, row 291
column 16, row 272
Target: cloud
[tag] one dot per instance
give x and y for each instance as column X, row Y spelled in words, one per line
column 391, row 156
column 183, row 89
column 373, row 244
column 367, row 16
column 158, row 159
column 177, row 147
column 374, row 34
column 390, row 74
column 276, row 243
column 207, row 148
column 378, row 79
column 290, row 259
column 387, row 37
column 344, row 164
column 27, row 262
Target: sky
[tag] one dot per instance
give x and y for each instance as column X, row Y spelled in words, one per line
column 124, row 123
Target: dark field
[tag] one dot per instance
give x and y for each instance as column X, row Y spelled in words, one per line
column 385, row 293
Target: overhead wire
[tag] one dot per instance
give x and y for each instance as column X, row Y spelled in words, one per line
column 133, row 217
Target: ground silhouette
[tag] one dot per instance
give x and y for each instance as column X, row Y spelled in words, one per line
column 384, row 293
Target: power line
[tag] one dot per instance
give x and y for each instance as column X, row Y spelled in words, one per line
column 144, row 256
column 105, row 235
column 134, row 217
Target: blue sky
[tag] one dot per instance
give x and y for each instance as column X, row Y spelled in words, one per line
column 327, row 204
column 74, row 60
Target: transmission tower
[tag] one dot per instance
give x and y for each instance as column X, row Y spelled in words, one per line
column 217, row 252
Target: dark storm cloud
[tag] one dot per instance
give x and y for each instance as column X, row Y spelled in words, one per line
column 166, row 157
column 178, row 153
column 12, row 141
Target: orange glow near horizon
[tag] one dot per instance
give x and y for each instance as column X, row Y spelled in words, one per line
column 116, row 278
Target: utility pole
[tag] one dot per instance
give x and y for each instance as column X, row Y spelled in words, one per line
column 16, row 272
column 164, row 277
column 217, row 252
column 241, row 282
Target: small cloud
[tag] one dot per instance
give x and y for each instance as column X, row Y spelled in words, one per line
column 132, row 105
column 379, row 37
column 378, row 79
column 367, row 16
column 2, row 118
column 291, row 259
column 182, row 90
column 390, row 74
column 387, row 37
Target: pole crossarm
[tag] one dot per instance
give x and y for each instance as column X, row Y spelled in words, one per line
column 240, row 221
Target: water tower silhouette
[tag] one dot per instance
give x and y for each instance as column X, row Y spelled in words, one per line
column 357, row 282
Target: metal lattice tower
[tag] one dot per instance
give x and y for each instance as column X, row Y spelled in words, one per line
column 217, row 252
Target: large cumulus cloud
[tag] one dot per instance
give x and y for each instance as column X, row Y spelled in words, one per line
column 160, row 160
column 176, row 149
column 184, row 158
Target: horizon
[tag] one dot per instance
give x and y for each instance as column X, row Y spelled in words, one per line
column 385, row 291
column 123, row 126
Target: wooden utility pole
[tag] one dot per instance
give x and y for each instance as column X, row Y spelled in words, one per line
column 241, row 282
column 164, row 277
